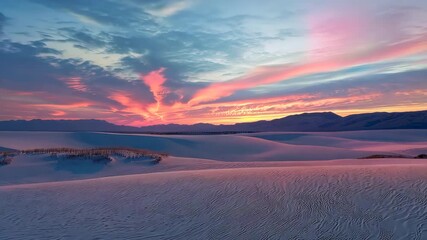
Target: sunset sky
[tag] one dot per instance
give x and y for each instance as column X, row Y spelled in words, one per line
column 145, row 62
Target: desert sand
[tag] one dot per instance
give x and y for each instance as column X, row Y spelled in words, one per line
column 244, row 186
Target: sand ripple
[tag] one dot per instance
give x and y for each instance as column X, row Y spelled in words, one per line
column 335, row 202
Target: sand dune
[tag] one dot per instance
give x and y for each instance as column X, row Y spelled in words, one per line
column 336, row 202
column 244, row 186
column 394, row 141
column 26, row 169
column 241, row 147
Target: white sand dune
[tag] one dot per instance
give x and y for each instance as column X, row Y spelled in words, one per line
column 379, row 141
column 245, row 186
column 242, row 147
column 335, row 202
column 43, row 168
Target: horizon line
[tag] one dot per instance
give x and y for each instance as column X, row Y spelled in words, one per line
column 285, row 116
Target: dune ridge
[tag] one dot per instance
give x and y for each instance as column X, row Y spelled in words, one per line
column 245, row 186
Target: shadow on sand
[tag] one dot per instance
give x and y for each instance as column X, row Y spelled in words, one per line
column 80, row 165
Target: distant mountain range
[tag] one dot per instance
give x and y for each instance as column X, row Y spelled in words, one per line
column 324, row 121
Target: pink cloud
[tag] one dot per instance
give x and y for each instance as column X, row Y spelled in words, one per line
column 336, row 32
column 58, row 113
column 272, row 74
column 416, row 92
column 130, row 105
column 340, row 37
column 75, row 83
column 155, row 80
column 68, row 106
column 271, row 108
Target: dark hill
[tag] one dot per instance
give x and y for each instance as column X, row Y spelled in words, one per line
column 324, row 121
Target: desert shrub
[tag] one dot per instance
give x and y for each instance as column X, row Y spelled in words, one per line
column 394, row 156
column 384, row 156
column 98, row 154
column 6, row 158
column 421, row 156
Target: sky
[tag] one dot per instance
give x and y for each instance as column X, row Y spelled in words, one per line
column 146, row 62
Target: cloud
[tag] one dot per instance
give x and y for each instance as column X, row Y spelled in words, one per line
column 382, row 92
column 163, row 61
column 110, row 12
column 181, row 54
column 75, row 83
column 273, row 74
column 131, row 107
column 2, row 22
column 169, row 9
column 339, row 38
column 84, row 38
column 57, row 88
column 85, row 19
column 52, row 84
column 155, row 80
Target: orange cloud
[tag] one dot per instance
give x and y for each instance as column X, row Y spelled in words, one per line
column 265, row 108
column 58, row 113
column 422, row 92
column 273, row 74
column 130, row 105
column 64, row 106
column 75, row 83
column 158, row 111
column 155, row 80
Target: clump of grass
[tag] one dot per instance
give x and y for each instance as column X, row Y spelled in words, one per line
column 385, row 156
column 99, row 154
column 6, row 158
column 393, row 156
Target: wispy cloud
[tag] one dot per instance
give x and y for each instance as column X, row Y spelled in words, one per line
column 163, row 61
column 75, row 83
column 2, row 22
column 155, row 81
column 273, row 74
column 170, row 8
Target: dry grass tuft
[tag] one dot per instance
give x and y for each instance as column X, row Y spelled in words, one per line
column 6, row 158
column 99, row 154
column 393, row 156
column 104, row 155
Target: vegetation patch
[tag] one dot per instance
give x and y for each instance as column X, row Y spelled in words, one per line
column 6, row 158
column 420, row 156
column 97, row 155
